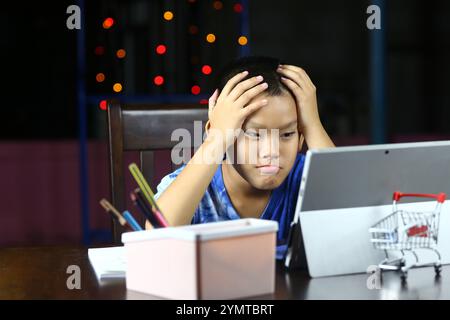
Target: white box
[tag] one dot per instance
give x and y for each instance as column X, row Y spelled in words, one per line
column 219, row 260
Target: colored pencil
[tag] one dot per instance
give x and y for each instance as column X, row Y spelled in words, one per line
column 131, row 221
column 140, row 203
column 146, row 190
column 113, row 211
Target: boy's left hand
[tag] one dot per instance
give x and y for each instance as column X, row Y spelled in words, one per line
column 309, row 125
column 300, row 84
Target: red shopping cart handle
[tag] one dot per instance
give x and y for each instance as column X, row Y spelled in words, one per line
column 440, row 197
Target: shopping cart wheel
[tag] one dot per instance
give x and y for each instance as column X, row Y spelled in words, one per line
column 437, row 270
column 404, row 275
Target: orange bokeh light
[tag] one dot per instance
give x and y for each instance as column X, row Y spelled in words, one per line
column 121, row 53
column 168, row 15
column 218, row 5
column 210, row 38
column 117, row 87
column 100, row 77
column 242, row 40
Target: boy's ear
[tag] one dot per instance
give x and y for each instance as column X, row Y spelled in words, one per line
column 207, row 126
column 300, row 142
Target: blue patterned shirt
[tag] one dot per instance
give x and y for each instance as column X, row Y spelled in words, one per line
column 217, row 206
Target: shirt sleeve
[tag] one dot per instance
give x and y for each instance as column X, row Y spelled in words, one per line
column 166, row 181
column 206, row 210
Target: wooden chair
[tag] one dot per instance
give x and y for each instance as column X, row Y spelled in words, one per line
column 143, row 128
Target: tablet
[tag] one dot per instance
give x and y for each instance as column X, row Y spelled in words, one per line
column 346, row 190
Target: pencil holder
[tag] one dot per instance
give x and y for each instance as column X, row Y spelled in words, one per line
column 219, row 260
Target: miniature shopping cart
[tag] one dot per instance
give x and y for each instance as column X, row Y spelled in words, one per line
column 406, row 231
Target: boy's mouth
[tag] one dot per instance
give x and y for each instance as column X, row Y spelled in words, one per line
column 268, row 169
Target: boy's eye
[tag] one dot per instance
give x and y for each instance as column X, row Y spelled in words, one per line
column 288, row 134
column 252, row 133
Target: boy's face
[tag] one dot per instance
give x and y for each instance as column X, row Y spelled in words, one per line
column 267, row 149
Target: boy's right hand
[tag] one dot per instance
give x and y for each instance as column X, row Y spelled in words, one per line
column 228, row 111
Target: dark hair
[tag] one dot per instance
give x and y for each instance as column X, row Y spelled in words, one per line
column 255, row 65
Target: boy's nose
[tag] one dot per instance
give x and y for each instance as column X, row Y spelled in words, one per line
column 269, row 148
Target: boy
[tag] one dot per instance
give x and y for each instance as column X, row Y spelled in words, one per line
column 264, row 111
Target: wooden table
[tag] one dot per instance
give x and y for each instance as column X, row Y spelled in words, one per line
column 40, row 273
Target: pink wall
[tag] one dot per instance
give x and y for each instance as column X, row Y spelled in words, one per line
column 40, row 196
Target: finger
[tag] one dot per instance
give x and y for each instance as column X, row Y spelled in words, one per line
column 289, row 66
column 293, row 68
column 212, row 101
column 232, row 83
column 250, row 94
column 292, row 85
column 213, row 98
column 242, row 87
column 253, row 107
column 301, row 71
column 295, row 76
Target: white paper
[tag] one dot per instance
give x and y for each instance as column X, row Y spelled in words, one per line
column 108, row 262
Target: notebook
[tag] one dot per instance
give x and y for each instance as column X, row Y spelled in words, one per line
column 108, row 262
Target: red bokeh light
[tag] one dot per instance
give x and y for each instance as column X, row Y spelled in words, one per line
column 108, row 23
column 193, row 29
column 99, row 50
column 161, row 49
column 158, row 80
column 238, row 8
column 103, row 105
column 195, row 90
column 206, row 69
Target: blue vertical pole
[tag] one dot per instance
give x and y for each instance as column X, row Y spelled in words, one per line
column 244, row 28
column 82, row 125
column 378, row 77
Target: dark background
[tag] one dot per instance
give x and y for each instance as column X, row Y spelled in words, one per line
column 329, row 39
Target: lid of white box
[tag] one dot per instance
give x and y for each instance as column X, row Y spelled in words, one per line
column 205, row 231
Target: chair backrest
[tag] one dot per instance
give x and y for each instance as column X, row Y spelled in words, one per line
column 143, row 128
